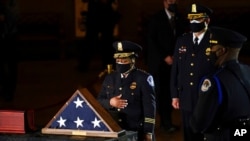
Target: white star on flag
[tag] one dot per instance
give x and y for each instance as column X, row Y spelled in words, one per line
column 78, row 102
column 61, row 122
column 78, row 122
column 96, row 122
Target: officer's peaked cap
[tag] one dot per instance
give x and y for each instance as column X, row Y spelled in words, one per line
column 226, row 37
column 196, row 11
column 126, row 49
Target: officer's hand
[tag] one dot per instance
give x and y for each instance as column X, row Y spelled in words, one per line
column 168, row 60
column 148, row 137
column 175, row 103
column 117, row 102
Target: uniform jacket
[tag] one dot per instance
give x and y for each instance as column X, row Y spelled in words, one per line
column 222, row 98
column 189, row 66
column 138, row 89
column 161, row 38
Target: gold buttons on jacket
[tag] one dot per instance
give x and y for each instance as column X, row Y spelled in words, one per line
column 191, row 83
column 191, row 74
column 191, row 64
column 193, row 55
column 120, row 88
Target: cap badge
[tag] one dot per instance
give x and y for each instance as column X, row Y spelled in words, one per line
column 194, row 10
column 119, row 46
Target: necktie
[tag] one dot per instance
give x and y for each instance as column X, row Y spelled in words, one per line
column 172, row 23
column 196, row 41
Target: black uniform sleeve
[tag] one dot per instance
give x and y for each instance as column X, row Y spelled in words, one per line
column 104, row 94
column 207, row 106
column 149, row 105
column 175, row 73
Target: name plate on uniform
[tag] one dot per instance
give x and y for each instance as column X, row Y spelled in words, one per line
column 12, row 121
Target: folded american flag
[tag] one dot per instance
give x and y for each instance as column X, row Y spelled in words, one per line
column 79, row 114
column 83, row 115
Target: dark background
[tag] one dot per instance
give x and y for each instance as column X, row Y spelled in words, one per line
column 47, row 74
column 53, row 22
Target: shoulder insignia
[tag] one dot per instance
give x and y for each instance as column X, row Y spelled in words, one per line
column 151, row 81
column 206, row 85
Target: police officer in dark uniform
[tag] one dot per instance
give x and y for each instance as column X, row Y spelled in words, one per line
column 224, row 96
column 163, row 28
column 128, row 93
column 189, row 65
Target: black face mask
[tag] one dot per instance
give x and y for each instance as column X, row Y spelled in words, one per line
column 122, row 68
column 172, row 7
column 196, row 27
column 213, row 57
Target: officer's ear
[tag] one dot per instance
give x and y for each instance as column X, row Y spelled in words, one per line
column 222, row 50
column 133, row 60
column 207, row 21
